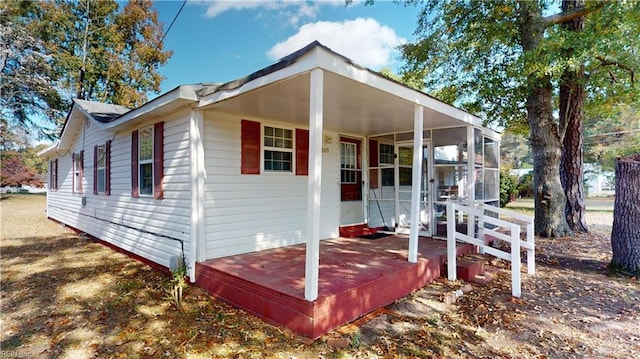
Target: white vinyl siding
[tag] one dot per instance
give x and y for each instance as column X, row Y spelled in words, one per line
column 138, row 225
column 248, row 213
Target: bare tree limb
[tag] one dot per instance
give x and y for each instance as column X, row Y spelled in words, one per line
column 571, row 14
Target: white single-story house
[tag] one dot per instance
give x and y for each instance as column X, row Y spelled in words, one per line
column 286, row 155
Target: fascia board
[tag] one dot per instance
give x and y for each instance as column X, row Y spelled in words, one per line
column 305, row 64
column 47, row 152
column 184, row 92
column 73, row 123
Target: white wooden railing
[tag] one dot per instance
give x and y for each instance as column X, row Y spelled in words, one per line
column 479, row 215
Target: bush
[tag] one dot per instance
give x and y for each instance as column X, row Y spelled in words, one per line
column 525, row 185
column 508, row 187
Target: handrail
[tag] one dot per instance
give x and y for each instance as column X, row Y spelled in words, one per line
column 513, row 238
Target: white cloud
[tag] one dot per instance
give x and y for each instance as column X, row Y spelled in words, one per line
column 365, row 41
column 294, row 10
column 218, row 7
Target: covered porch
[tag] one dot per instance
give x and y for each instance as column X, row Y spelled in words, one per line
column 356, row 276
column 375, row 153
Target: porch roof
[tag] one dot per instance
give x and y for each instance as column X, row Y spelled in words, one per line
column 356, row 100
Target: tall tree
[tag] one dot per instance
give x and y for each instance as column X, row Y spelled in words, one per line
column 97, row 50
column 571, row 114
column 625, row 233
column 503, row 61
column 27, row 92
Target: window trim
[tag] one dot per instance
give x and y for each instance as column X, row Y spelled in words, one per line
column 98, row 148
column 157, row 162
column 146, row 161
column 353, row 170
column 264, row 148
column 53, row 175
column 77, row 162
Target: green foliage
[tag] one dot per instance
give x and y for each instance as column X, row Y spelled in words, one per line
column 27, row 90
column 615, row 134
column 178, row 283
column 515, row 151
column 471, row 51
column 508, row 187
column 95, row 50
column 525, row 185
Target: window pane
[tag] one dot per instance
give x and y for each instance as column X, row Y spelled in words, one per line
column 387, row 177
column 386, row 153
column 479, row 183
column 450, row 145
column 405, row 176
column 146, row 178
column 348, row 155
column 405, row 156
column 101, row 173
column 278, row 161
column 146, row 144
column 101, row 157
column 491, row 152
column 491, row 184
column 278, row 137
column 477, row 145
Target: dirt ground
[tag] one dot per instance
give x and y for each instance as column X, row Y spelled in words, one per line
column 64, row 296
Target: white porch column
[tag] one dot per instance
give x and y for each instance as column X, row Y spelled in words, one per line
column 418, row 121
column 313, row 185
column 196, row 154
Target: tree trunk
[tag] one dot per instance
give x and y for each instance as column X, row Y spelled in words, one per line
column 625, row 234
column 572, row 96
column 545, row 139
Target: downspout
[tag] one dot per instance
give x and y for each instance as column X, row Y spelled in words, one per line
column 197, row 172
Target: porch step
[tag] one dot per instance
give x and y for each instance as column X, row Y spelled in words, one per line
column 469, row 267
column 356, row 230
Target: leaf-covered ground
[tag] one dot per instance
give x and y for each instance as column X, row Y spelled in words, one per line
column 66, row 297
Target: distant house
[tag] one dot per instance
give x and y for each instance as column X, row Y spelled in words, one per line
column 596, row 181
column 288, row 154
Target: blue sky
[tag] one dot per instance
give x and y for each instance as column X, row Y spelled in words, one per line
column 218, row 41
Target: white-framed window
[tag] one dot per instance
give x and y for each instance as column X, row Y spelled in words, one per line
column 77, row 172
column 145, row 160
column 278, row 149
column 387, row 154
column 101, row 171
column 348, row 166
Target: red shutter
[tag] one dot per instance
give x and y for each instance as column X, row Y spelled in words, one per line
column 302, row 152
column 135, row 190
column 107, row 169
column 55, row 180
column 373, row 153
column 73, row 172
column 250, row 147
column 95, row 169
column 158, row 160
column 51, row 175
column 81, row 171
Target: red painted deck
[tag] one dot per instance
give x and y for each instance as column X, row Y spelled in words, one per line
column 356, row 277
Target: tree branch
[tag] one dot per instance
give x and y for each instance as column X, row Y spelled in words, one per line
column 571, row 14
column 611, row 62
